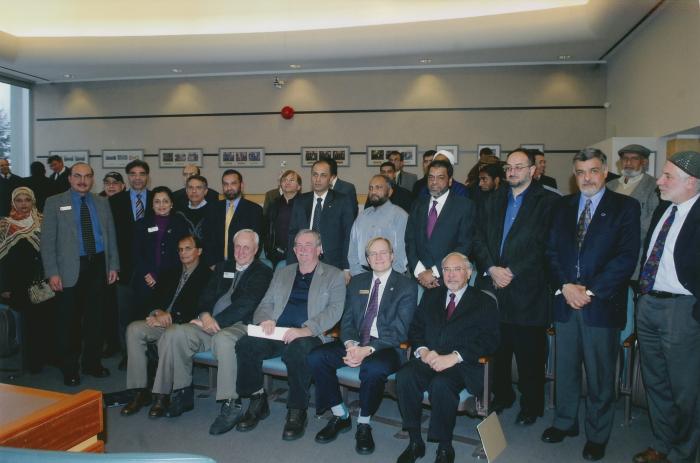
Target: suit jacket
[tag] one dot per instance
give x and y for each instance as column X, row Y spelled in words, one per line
column 270, row 197
column 607, row 258
column 180, row 198
column 248, row 215
column 60, row 183
column 454, row 231
column 60, row 244
column 185, row 306
column 525, row 301
column 336, row 223
column 647, row 193
column 144, row 256
column 549, row 181
column 42, row 188
column 348, row 189
column 406, row 180
column 326, row 297
column 249, row 291
column 126, row 228
column 396, row 309
column 7, row 186
column 401, row 197
column 457, row 188
column 686, row 253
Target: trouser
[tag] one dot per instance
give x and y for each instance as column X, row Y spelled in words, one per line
column 326, row 359
column 79, row 316
column 596, row 348
column 251, row 353
column 125, row 309
column 669, row 341
column 224, row 349
column 176, row 348
column 138, row 335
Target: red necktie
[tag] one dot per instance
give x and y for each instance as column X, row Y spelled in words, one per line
column 432, row 218
column 451, row 306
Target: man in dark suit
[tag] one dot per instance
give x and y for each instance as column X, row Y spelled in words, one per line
column 60, row 175
column 403, row 179
column 341, row 186
column 8, row 183
column 398, row 195
column 326, row 211
column 227, row 217
column 592, row 251
column 379, row 307
column 541, row 165
column 79, row 253
column 453, row 326
column 510, row 242
column 668, row 314
column 438, row 225
column 176, row 296
column 181, row 197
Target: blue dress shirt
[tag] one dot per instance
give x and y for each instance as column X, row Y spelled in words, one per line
column 76, row 202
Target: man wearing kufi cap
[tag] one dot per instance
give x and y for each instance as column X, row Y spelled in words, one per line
column 668, row 314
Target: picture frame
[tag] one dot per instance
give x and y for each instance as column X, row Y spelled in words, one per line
column 180, row 157
column 311, row 154
column 377, row 154
column 112, row 159
column 533, row 146
column 70, row 157
column 241, row 157
column 454, row 149
column 495, row 147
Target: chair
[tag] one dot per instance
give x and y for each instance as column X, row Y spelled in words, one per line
column 16, row 455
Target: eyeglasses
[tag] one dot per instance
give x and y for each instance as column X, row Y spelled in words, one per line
column 518, row 168
column 382, row 253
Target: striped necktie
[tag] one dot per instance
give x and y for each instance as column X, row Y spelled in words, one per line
column 139, row 207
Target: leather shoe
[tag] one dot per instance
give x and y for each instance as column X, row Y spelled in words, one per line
column 445, row 455
column 71, row 379
column 231, row 413
column 295, row 425
column 143, row 397
column 593, row 451
column 98, row 371
column 364, row 444
column 257, row 410
column 181, row 401
column 160, row 406
column 554, row 435
column 524, row 419
column 414, row 451
column 335, row 426
column 650, row 456
column 498, row 406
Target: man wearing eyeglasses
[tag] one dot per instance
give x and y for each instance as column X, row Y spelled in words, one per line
column 509, row 246
column 181, row 197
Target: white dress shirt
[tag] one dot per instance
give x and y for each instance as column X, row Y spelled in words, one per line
column 420, row 268
column 313, row 206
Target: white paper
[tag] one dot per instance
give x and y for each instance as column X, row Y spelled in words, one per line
column 256, row 330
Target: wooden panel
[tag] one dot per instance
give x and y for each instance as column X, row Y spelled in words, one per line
column 682, row 144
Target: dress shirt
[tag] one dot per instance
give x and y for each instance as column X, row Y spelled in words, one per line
column 388, row 221
column 595, row 200
column 55, row 175
column 458, row 297
column 76, row 202
column 313, row 206
column 512, row 209
column 438, row 207
column 198, row 206
column 666, row 276
column 235, row 204
column 144, row 201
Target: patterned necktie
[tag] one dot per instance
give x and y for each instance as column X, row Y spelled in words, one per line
column 451, row 306
column 317, row 214
column 139, row 207
column 180, row 285
column 584, row 221
column 229, row 218
column 86, row 228
column 432, row 218
column 651, row 266
column 370, row 314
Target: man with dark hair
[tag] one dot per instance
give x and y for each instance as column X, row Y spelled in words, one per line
column 423, row 181
column 180, row 196
column 541, row 165
column 457, row 188
column 195, row 209
column 398, row 195
column 8, row 183
column 486, row 157
column 490, row 177
column 403, row 179
column 59, row 178
column 341, row 186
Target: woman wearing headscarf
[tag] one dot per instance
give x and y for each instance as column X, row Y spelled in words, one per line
column 20, row 267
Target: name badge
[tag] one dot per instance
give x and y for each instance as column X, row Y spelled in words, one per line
column 66, row 208
column 153, row 229
column 229, row 274
column 364, row 291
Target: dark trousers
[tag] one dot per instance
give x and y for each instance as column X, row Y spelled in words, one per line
column 669, row 340
column 529, row 344
column 251, row 352
column 416, row 377
column 79, row 316
column 596, row 348
column 111, row 319
column 126, row 309
column 326, row 359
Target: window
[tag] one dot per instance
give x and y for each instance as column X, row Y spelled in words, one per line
column 14, row 127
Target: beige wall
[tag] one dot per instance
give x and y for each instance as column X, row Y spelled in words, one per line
column 560, row 129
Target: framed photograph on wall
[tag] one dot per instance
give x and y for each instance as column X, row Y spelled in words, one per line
column 377, row 154
column 119, row 158
column 311, row 154
column 70, row 157
column 533, row 146
column 169, row 157
column 494, row 147
column 242, row 157
column 454, row 149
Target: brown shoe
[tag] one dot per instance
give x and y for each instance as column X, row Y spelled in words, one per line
column 650, row 456
column 142, row 398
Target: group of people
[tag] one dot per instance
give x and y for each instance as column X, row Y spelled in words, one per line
column 193, row 273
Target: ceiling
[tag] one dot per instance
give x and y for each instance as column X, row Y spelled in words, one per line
column 44, row 41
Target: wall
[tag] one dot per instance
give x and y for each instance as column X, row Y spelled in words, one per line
column 561, row 130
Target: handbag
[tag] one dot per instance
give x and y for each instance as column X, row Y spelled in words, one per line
column 40, row 291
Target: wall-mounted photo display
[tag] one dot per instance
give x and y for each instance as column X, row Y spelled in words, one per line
column 454, row 149
column 533, row 146
column 311, row 154
column 495, row 148
column 70, row 157
column 169, row 157
column 377, row 154
column 119, row 158
column 242, row 157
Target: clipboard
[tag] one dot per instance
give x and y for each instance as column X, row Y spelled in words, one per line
column 492, row 437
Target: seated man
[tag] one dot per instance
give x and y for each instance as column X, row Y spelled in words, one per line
column 379, row 306
column 176, row 296
column 453, row 326
column 306, row 298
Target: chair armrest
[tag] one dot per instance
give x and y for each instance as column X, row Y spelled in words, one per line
column 629, row 342
column 485, row 359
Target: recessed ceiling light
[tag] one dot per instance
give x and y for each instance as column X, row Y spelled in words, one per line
column 425, row 61
column 68, row 76
column 295, row 66
column 176, row 70
column 564, row 57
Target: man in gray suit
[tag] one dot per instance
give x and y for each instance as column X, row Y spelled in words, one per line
column 305, row 300
column 79, row 252
column 403, row 179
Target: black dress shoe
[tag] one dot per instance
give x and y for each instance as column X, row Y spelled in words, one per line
column 71, row 379
column 445, row 455
column 160, row 405
column 257, row 410
column 230, row 415
column 98, row 371
column 335, row 426
column 181, row 401
column 414, row 451
column 295, row 425
column 593, row 451
column 142, row 398
column 364, row 444
column 554, row 435
column 524, row 419
column 498, row 405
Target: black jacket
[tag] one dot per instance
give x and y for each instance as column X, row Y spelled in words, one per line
column 185, row 306
column 125, row 226
column 247, row 215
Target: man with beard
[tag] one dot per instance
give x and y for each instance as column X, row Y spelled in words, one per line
column 379, row 218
